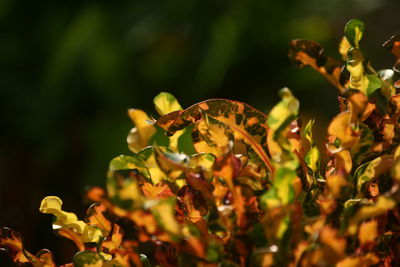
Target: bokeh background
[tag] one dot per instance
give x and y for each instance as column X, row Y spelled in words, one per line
column 71, row 69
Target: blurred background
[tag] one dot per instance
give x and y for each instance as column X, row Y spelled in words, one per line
column 71, row 69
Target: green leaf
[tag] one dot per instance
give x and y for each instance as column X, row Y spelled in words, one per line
column 87, row 258
column 361, row 149
column 354, row 31
column 284, row 112
column 159, row 138
column 185, row 141
column 368, row 211
column 122, row 181
column 144, row 260
column 313, row 156
column 374, row 83
column 370, row 171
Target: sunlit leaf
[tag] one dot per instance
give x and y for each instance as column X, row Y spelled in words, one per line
column 95, row 215
column 87, row 259
column 354, row 31
column 247, row 123
column 367, row 234
column 140, row 135
column 52, row 205
column 313, row 157
column 371, row 170
column 193, row 203
column 164, row 212
column 164, row 104
column 369, row 259
column 382, row 205
column 340, row 127
column 309, row 53
column 147, row 156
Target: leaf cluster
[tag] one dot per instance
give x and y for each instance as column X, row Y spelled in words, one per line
column 222, row 184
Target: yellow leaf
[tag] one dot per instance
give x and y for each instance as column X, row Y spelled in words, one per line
column 359, row 261
column 140, row 135
column 340, row 127
column 52, row 205
column 166, row 103
column 382, row 205
column 368, row 232
column 336, row 183
column 344, row 47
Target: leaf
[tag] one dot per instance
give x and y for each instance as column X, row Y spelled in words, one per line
column 247, row 123
column 95, row 215
column 340, row 127
column 313, row 156
column 114, row 240
column 366, row 83
column 280, row 121
column 68, row 220
column 361, row 149
column 393, row 44
column 336, row 183
column 172, row 164
column 354, row 31
column 164, row 212
column 140, row 135
column 367, row 234
column 370, row 171
column 46, row 259
column 211, row 136
column 344, row 47
column 382, row 205
column 370, row 259
column 12, row 242
column 147, row 156
column 87, row 258
column 166, row 103
column 334, row 246
column 284, row 112
column 282, row 192
column 309, row 53
column 128, row 163
column 145, row 262
column 192, row 203
column 374, row 83
column 387, row 76
column 203, row 162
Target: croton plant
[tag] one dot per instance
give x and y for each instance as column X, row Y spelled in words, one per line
column 223, row 184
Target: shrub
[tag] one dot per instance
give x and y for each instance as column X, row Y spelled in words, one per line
column 230, row 186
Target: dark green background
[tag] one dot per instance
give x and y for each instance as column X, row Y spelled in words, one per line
column 71, row 69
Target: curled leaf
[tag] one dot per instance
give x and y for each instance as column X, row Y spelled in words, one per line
column 310, row 53
column 68, row 220
column 354, row 31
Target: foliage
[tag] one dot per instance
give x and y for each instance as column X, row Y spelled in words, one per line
column 231, row 186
